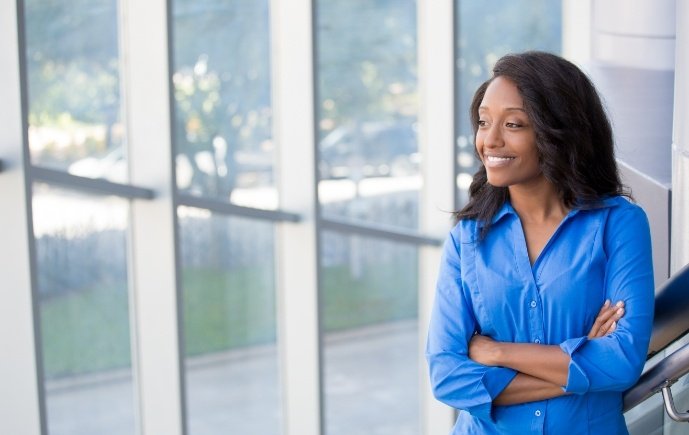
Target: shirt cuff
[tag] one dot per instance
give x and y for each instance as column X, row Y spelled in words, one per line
column 494, row 380
column 577, row 381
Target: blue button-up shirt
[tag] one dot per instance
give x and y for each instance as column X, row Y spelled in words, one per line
column 489, row 286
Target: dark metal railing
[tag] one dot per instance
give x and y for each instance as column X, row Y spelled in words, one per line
column 671, row 322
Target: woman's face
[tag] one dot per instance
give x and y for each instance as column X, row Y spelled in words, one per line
column 505, row 139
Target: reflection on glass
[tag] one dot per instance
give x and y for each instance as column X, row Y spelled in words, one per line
column 222, row 126
column 369, row 164
column 75, row 119
column 369, row 309
column 84, row 312
column 488, row 30
column 229, row 324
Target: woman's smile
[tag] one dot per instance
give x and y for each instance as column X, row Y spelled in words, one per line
column 493, row 161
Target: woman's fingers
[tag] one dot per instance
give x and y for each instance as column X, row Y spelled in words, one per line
column 607, row 318
column 603, row 315
column 611, row 329
column 610, row 325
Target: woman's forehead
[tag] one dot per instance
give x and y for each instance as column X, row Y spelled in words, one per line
column 502, row 94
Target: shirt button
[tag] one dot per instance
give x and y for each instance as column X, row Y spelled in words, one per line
column 537, row 341
column 533, row 304
column 537, row 413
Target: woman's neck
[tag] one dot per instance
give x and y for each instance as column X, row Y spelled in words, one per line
column 537, row 202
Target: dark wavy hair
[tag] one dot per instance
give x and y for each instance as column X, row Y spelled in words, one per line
column 573, row 135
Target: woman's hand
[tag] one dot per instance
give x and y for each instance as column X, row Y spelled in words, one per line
column 606, row 322
column 484, row 350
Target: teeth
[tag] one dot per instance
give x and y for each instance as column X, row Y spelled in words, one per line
column 498, row 159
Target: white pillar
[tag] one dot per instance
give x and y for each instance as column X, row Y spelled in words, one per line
column 679, row 241
column 576, row 30
column 20, row 404
column 152, row 262
column 297, row 243
column 633, row 62
column 634, row 33
column 436, row 142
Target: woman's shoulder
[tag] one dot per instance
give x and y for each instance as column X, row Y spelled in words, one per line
column 613, row 207
column 624, row 217
column 622, row 206
column 465, row 230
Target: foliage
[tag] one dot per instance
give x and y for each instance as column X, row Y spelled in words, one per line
column 72, row 67
column 85, row 331
column 88, row 330
column 222, row 88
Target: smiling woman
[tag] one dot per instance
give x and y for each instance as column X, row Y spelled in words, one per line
column 546, row 240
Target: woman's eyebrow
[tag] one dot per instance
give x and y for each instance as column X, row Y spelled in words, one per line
column 521, row 109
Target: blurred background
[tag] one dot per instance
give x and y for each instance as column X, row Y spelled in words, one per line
column 225, row 216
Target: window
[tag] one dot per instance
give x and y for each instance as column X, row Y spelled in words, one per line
column 369, row 171
column 83, row 300
column 484, row 35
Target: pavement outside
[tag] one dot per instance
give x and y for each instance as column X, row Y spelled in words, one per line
column 370, row 388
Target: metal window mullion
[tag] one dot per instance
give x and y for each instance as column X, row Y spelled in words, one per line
column 378, row 231
column 436, row 53
column 99, row 186
column 292, row 60
column 226, row 208
column 21, row 395
column 153, row 273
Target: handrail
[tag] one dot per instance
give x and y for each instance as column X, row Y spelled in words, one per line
column 671, row 319
column 671, row 322
column 682, row 417
column 661, row 375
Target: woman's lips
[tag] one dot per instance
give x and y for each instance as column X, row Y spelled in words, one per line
column 497, row 161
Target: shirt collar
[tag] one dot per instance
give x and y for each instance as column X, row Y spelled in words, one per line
column 607, row 202
column 504, row 210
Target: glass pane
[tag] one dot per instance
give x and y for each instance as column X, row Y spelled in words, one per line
column 369, row 162
column 222, row 126
column 81, row 251
column 371, row 345
column 72, row 56
column 231, row 360
column 487, row 30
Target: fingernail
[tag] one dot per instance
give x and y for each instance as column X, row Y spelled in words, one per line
column 620, row 304
column 607, row 302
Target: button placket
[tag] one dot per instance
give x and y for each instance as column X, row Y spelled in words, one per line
column 535, row 316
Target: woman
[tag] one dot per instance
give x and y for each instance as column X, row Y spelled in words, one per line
column 518, row 340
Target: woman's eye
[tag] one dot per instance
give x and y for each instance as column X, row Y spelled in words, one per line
column 513, row 125
column 482, row 123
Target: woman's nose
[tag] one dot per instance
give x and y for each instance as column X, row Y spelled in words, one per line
column 493, row 137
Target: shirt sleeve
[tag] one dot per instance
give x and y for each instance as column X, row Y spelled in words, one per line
column 456, row 380
column 614, row 362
